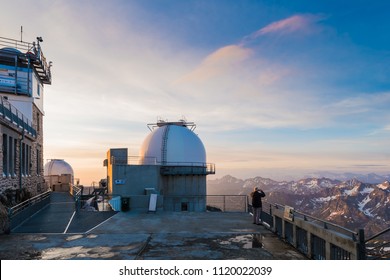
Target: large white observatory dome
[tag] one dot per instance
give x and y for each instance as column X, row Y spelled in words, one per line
column 173, row 143
column 57, row 167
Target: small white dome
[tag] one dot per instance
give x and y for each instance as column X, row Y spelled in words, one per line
column 57, row 167
column 172, row 144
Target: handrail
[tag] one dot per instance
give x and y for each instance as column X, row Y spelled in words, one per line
column 32, row 52
column 316, row 238
column 76, row 192
column 377, row 235
column 325, row 223
column 14, row 116
column 20, row 45
column 377, row 245
column 19, row 207
column 138, row 160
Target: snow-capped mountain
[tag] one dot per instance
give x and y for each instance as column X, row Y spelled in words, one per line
column 371, row 178
column 349, row 203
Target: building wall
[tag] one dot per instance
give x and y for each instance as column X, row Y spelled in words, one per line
column 21, row 164
column 59, row 183
column 131, row 180
column 136, row 182
column 112, row 154
column 184, row 185
column 184, row 193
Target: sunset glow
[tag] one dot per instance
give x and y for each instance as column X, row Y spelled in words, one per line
column 276, row 90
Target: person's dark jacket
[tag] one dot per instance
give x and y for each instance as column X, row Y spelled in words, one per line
column 256, row 198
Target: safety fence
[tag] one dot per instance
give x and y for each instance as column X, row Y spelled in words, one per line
column 15, row 117
column 315, row 238
column 178, row 203
column 76, row 192
column 27, row 208
column 27, row 55
column 167, row 167
column 227, row 203
column 378, row 246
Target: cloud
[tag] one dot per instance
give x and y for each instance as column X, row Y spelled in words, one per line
column 361, row 103
column 219, row 62
column 304, row 24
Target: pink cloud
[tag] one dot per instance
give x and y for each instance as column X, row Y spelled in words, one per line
column 220, row 62
column 298, row 23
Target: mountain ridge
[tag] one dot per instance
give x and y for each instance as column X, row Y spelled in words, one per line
column 350, row 203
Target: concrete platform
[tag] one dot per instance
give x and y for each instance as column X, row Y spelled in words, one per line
column 154, row 236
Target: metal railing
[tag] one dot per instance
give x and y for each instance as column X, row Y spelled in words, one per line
column 378, row 246
column 15, row 117
column 227, row 203
column 76, row 192
column 12, row 43
column 197, row 203
column 169, row 167
column 27, row 208
column 31, row 53
column 316, row 238
column 187, row 168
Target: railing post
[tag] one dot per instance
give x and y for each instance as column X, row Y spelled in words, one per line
column 294, row 237
column 309, row 245
column 327, row 250
column 361, row 246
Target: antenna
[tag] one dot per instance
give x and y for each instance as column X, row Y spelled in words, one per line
column 21, row 33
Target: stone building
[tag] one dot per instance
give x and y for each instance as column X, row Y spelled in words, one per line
column 23, row 73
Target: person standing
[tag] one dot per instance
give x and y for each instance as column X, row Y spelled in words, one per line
column 257, row 194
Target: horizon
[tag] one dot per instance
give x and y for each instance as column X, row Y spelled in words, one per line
column 315, row 175
column 281, row 89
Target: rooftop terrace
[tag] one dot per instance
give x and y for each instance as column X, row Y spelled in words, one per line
column 57, row 233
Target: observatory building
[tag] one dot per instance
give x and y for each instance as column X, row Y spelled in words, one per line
column 58, row 175
column 24, row 71
column 171, row 165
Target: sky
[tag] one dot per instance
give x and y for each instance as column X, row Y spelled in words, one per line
column 277, row 89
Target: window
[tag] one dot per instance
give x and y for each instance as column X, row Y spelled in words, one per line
column 15, row 153
column 11, row 156
column 23, row 158
column 184, row 206
column 29, row 160
column 38, row 123
column 38, row 162
column 26, row 159
column 5, row 155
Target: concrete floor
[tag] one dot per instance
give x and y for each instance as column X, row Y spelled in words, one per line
column 144, row 236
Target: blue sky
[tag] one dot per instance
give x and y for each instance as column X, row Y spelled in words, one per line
column 276, row 88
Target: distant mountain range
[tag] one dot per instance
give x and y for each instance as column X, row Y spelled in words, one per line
column 350, row 203
column 370, row 178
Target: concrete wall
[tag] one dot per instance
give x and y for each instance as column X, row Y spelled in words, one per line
column 184, row 193
column 130, row 180
column 184, row 185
